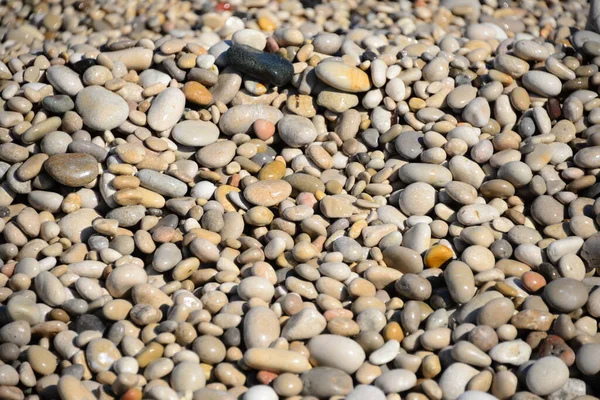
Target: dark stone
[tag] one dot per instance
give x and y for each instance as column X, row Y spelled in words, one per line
column 501, row 249
column 82, row 65
column 266, row 67
column 232, row 337
column 9, row 352
column 88, row 322
column 4, row 212
column 591, row 251
column 548, row 271
column 527, row 127
column 58, row 104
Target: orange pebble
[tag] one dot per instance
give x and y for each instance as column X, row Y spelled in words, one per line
column 132, row 394
column 533, row 281
column 264, row 129
column 437, row 255
column 266, row 377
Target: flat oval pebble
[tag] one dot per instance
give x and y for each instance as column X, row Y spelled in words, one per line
column 267, row 193
column 101, row 109
column 72, row 169
column 343, row 77
column 166, row 109
column 195, row 133
column 266, row 67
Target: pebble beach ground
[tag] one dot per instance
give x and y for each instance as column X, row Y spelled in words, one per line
column 261, row 200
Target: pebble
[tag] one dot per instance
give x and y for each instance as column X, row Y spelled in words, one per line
column 372, row 200
column 266, row 67
column 101, row 109
column 166, row 109
column 72, row 169
column 195, row 133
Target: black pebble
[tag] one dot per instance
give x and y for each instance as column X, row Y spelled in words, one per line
column 88, row 322
column 4, row 212
column 266, row 67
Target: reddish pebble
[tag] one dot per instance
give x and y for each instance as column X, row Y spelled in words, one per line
column 266, row 377
column 555, row 346
column 532, row 281
column 264, row 129
column 222, row 7
column 132, row 394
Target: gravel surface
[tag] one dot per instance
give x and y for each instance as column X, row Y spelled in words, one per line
column 309, row 200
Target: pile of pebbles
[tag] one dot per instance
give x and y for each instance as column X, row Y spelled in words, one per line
column 289, row 199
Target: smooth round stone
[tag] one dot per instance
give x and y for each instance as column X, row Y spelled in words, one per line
column 72, row 169
column 546, row 210
column 343, row 77
column 326, row 382
column 216, row 155
column 435, row 175
column 166, row 257
column 403, row 259
column 41, row 360
column 476, row 395
column 590, row 252
column 460, row 96
column 16, row 332
column 396, row 380
column 336, row 352
column 588, row 359
column 305, row 324
column 101, row 355
column 49, row 288
column 515, row 352
column 166, row 109
column 417, row 199
column 565, row 294
column 588, row 157
column 187, row 376
column 362, row 392
column 71, row 388
column 195, row 133
column 477, row 112
column 250, row 37
column 461, row 192
column 547, row 375
column 240, row 118
column 101, row 109
column 150, row 77
column 266, row 67
column 260, row 392
column 542, row 83
column 455, row 378
column 64, row 79
column 409, row 144
column 267, row 193
column 296, row 131
column 261, row 327
column 460, row 281
column 58, row 104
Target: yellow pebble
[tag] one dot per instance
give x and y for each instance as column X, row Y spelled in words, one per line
column 393, row 331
